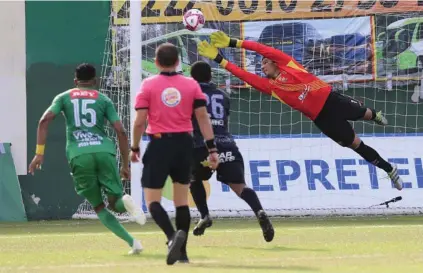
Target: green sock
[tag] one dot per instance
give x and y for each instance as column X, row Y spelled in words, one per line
column 119, row 206
column 114, row 226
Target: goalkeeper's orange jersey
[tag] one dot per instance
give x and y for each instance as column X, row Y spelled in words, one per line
column 294, row 85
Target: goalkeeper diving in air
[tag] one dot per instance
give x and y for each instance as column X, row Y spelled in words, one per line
column 290, row 83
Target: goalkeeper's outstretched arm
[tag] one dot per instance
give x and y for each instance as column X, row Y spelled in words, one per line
column 221, row 40
column 259, row 83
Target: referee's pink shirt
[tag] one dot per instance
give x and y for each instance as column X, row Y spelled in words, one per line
column 169, row 99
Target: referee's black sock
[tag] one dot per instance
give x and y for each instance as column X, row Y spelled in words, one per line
column 162, row 219
column 369, row 154
column 183, row 220
column 250, row 196
column 198, row 193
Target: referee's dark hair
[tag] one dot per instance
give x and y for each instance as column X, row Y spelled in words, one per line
column 167, row 55
column 201, row 72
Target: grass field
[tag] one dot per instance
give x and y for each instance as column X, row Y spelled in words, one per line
column 384, row 244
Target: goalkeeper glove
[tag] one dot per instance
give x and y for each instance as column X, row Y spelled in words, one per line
column 209, row 51
column 220, row 40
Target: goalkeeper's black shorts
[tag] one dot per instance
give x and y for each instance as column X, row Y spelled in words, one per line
column 230, row 169
column 334, row 118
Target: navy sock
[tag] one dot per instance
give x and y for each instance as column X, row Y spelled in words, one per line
column 250, row 196
column 199, row 195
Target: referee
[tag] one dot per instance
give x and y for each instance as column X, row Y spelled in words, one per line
column 169, row 100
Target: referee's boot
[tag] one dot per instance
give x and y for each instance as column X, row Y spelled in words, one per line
column 395, row 178
column 201, row 226
column 175, row 247
column 266, row 226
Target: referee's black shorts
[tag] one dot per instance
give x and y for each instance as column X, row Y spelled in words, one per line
column 167, row 155
column 334, row 118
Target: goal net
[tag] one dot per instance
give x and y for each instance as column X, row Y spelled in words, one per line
column 369, row 50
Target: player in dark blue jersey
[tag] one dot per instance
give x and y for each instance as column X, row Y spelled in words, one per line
column 231, row 167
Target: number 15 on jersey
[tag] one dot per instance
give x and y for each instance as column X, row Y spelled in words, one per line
column 83, row 114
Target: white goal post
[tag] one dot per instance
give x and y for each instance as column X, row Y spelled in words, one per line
column 135, row 72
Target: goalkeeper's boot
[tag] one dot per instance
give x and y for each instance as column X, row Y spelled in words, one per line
column 174, row 247
column 380, row 119
column 396, row 180
column 136, row 213
column 201, row 226
column 136, row 248
column 266, row 226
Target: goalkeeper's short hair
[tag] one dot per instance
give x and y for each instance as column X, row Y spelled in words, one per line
column 201, row 72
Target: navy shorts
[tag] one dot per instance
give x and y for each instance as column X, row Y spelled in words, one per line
column 230, row 169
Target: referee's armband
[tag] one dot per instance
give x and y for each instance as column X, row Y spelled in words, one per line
column 199, row 103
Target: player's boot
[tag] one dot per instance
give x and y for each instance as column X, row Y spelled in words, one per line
column 134, row 210
column 201, row 226
column 136, row 248
column 266, row 226
column 380, row 119
column 184, row 258
column 174, row 247
column 395, row 178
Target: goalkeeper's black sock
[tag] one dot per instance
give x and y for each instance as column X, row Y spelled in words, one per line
column 162, row 219
column 183, row 221
column 199, row 195
column 369, row 154
column 250, row 196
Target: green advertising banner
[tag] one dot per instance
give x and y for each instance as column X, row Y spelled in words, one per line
column 11, row 204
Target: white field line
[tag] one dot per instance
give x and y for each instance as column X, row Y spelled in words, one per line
column 148, row 233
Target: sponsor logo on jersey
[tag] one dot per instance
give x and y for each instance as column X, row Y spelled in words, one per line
column 226, row 157
column 85, row 138
column 84, row 94
column 304, row 93
column 171, row 97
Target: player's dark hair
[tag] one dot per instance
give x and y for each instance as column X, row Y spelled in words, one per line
column 85, row 72
column 167, row 55
column 201, row 71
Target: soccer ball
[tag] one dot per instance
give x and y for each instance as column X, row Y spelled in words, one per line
column 193, row 20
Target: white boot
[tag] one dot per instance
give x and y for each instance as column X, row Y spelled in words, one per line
column 134, row 210
column 136, row 248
